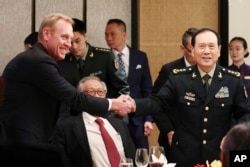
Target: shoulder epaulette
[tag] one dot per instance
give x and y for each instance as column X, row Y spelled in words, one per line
column 182, row 70
column 102, row 49
column 231, row 72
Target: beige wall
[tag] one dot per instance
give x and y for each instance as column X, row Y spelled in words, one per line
column 238, row 21
column 15, row 24
column 98, row 14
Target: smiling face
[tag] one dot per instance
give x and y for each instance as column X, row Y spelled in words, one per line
column 206, row 50
column 237, row 52
column 57, row 39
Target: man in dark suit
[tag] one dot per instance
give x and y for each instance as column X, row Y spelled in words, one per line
column 164, row 123
column 203, row 115
column 80, row 135
column 33, row 89
column 96, row 61
column 138, row 76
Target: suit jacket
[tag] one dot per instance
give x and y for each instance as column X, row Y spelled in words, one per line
column 139, row 80
column 99, row 62
column 72, row 136
column 202, row 121
column 33, row 90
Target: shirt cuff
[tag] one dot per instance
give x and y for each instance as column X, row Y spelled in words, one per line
column 110, row 104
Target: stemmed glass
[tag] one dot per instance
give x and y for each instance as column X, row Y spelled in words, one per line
column 157, row 156
column 141, row 157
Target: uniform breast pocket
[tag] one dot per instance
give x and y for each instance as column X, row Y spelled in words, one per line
column 223, row 102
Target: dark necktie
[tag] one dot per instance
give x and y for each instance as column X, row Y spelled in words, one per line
column 121, row 64
column 113, row 154
column 80, row 65
column 206, row 77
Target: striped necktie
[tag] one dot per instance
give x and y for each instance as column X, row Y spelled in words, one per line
column 121, row 63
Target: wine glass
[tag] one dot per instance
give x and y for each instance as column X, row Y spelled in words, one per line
column 157, row 156
column 141, row 157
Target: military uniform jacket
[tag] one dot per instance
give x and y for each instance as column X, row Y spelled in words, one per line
column 202, row 121
column 99, row 62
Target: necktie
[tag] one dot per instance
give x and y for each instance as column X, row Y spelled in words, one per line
column 121, row 63
column 123, row 71
column 113, row 154
column 80, row 65
column 206, row 77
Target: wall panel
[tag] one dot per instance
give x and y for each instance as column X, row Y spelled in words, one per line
column 98, row 13
column 70, row 8
column 15, row 16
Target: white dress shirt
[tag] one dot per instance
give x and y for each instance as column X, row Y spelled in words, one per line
column 97, row 147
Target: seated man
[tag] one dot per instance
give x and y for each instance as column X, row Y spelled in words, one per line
column 81, row 137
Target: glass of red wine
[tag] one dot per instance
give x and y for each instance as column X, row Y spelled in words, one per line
column 157, row 156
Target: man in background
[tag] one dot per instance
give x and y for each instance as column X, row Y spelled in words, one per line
column 135, row 67
column 86, row 60
column 30, row 40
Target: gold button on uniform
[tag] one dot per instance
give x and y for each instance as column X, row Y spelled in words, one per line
column 188, row 103
column 206, row 108
column 204, row 142
column 204, row 130
column 205, row 119
column 222, row 105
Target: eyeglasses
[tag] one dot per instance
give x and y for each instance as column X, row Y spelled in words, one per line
column 94, row 92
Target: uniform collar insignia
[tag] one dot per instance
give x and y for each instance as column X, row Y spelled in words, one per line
column 91, row 55
column 220, row 75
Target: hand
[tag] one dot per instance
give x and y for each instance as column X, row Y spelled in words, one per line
column 148, row 128
column 123, row 105
column 127, row 98
column 170, row 137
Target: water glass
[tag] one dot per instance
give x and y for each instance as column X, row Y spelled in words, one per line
column 126, row 162
column 141, row 157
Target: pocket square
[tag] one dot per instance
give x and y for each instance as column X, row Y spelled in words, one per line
column 138, row 66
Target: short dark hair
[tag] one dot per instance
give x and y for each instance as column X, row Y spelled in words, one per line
column 31, row 38
column 120, row 23
column 79, row 26
column 188, row 33
column 204, row 30
column 244, row 43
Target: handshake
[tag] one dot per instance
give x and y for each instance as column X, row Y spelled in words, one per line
column 123, row 105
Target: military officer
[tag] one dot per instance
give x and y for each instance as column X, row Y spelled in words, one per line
column 203, row 118
column 86, row 60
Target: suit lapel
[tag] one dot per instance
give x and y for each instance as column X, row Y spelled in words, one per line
column 81, row 134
